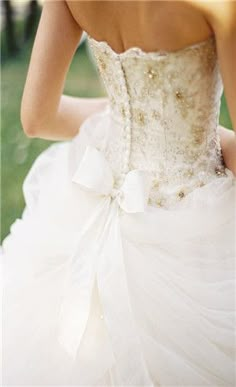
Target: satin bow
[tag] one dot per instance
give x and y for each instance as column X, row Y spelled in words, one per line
column 99, row 254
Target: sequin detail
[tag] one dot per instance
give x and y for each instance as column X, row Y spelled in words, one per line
column 165, row 108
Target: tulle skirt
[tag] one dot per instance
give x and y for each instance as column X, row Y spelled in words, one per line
column 100, row 291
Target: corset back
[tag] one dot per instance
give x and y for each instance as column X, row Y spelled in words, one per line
column 164, row 108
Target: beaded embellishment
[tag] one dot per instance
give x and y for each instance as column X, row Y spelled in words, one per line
column 167, row 106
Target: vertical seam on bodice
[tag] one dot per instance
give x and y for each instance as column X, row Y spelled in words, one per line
column 127, row 127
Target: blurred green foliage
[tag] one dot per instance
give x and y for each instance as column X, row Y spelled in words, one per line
column 19, row 151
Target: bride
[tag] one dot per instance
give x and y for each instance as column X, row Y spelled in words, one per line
column 121, row 270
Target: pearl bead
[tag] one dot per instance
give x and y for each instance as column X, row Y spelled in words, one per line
column 181, row 194
column 219, row 171
column 141, row 117
column 178, row 94
column 150, row 73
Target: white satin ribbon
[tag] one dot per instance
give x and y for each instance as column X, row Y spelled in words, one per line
column 99, row 255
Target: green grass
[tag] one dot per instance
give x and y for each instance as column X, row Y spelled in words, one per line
column 19, row 151
column 224, row 114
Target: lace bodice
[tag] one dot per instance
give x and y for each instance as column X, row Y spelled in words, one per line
column 165, row 109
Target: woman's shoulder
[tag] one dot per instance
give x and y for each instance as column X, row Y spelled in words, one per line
column 221, row 12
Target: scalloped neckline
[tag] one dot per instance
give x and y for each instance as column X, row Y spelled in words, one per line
column 140, row 51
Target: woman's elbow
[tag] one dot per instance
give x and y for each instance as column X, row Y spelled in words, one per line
column 29, row 130
column 28, row 125
column 31, row 125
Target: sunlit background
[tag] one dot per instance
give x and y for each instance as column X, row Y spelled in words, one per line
column 19, row 20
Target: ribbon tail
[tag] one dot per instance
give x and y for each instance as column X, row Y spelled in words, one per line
column 130, row 366
column 74, row 312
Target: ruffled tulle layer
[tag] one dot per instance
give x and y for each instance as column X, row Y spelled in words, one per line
column 98, row 296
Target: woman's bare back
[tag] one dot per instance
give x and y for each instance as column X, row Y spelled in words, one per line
column 151, row 25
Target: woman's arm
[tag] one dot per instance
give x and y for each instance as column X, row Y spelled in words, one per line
column 71, row 113
column 221, row 16
column 45, row 111
column 224, row 24
column 228, row 145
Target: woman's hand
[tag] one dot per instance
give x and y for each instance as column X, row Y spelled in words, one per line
column 228, row 146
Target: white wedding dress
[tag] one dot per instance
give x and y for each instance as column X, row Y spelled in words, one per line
column 121, row 271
